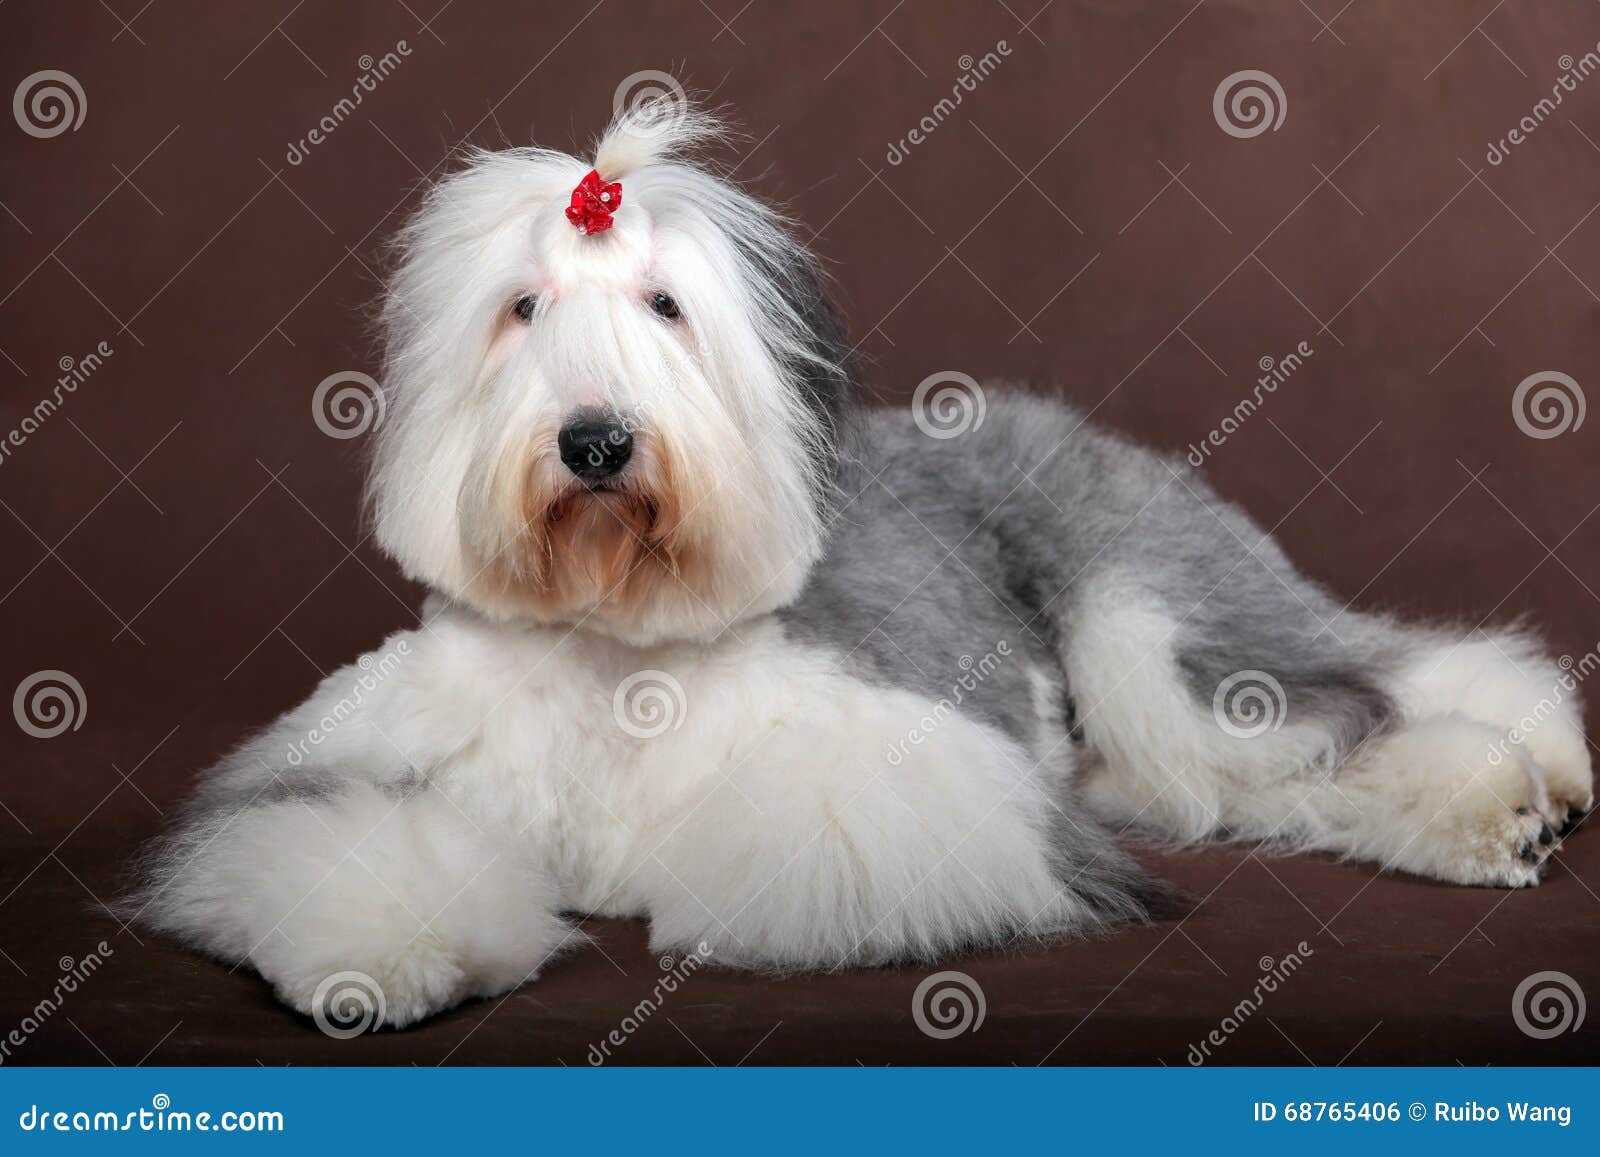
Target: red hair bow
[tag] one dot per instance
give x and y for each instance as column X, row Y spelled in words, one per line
column 593, row 202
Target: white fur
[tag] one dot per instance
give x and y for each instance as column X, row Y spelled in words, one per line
column 764, row 822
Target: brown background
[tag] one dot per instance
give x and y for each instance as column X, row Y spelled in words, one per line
column 183, row 541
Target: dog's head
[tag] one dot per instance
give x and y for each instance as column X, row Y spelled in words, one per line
column 612, row 390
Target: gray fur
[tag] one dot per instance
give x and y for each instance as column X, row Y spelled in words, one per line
column 940, row 548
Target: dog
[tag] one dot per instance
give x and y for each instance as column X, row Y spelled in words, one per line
column 805, row 683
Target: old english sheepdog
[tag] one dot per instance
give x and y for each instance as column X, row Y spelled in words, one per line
column 806, row 684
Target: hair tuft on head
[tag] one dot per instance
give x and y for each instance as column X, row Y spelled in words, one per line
column 660, row 128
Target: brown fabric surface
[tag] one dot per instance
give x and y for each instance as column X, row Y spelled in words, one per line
column 182, row 540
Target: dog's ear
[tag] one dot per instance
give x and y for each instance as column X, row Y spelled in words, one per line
column 827, row 375
column 819, row 363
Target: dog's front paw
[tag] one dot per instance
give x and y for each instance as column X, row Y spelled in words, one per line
column 389, row 993
column 364, row 907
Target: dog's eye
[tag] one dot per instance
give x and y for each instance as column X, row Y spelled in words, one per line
column 524, row 307
column 665, row 306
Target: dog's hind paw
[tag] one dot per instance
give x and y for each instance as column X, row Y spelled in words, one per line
column 1498, row 829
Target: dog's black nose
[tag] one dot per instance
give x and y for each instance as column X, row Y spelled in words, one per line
column 595, row 445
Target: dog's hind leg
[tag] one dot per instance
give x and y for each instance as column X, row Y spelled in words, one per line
column 1251, row 718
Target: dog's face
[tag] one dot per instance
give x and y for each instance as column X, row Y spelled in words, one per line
column 628, row 430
